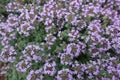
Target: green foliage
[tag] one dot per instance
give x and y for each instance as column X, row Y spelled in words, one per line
column 15, row 75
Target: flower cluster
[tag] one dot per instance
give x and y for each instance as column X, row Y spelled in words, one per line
column 35, row 75
column 31, row 53
column 25, row 28
column 64, row 74
column 49, row 68
column 8, row 54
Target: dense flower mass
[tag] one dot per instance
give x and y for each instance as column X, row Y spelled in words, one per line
column 60, row 40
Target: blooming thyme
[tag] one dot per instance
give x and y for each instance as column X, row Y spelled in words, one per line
column 60, row 39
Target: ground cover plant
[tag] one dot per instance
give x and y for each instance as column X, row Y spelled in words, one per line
column 60, row 40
